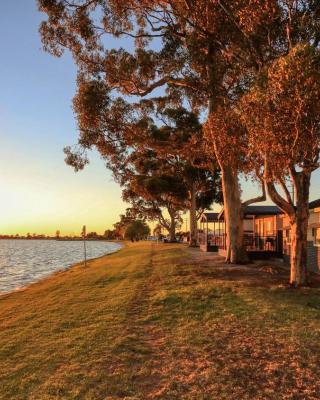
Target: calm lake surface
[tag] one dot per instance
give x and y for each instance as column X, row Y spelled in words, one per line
column 26, row 261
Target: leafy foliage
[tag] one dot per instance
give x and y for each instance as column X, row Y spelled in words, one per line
column 282, row 114
column 137, row 230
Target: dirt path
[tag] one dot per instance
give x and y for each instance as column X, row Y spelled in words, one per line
column 148, row 355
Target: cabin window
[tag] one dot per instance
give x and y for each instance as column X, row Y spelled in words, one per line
column 316, row 235
column 269, row 227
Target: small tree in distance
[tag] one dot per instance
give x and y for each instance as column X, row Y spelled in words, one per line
column 109, row 234
column 137, row 230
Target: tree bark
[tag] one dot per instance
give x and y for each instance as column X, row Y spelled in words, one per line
column 233, row 211
column 298, row 255
column 172, row 230
column 299, row 232
column 236, row 253
column 193, row 218
column 298, row 215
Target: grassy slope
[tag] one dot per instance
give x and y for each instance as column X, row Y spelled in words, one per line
column 145, row 323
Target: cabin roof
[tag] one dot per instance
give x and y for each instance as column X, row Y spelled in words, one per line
column 210, row 216
column 314, row 204
column 258, row 210
column 263, row 210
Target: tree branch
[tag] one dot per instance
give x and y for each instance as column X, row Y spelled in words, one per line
column 284, row 205
column 157, row 84
column 257, row 199
column 286, row 191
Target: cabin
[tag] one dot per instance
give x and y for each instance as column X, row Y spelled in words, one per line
column 262, row 232
column 267, row 236
column 313, row 237
column 266, row 233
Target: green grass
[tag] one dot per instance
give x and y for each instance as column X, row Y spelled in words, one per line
column 150, row 323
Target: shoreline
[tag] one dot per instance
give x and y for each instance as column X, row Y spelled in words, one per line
column 61, row 270
column 60, row 240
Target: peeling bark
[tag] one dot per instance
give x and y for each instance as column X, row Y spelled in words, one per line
column 299, row 232
column 236, row 253
column 299, row 216
column 298, row 256
column 193, row 217
column 172, row 229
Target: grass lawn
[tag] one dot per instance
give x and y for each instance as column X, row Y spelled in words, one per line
column 152, row 322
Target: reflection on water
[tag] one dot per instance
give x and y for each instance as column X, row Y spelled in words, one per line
column 26, row 261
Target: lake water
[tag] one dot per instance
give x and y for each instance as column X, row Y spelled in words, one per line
column 26, row 261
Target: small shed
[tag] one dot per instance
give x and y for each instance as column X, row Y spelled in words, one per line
column 212, row 228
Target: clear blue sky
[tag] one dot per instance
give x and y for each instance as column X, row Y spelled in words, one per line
column 38, row 192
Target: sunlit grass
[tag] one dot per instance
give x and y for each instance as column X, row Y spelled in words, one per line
column 149, row 323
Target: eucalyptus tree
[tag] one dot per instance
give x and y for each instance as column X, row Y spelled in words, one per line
column 157, row 198
column 144, row 143
column 150, row 193
column 156, row 174
column 282, row 114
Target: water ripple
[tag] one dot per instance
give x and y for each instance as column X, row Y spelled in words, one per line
column 26, row 261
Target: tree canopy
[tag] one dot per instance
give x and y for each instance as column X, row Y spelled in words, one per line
column 137, row 230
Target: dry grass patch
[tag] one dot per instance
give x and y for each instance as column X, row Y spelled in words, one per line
column 151, row 322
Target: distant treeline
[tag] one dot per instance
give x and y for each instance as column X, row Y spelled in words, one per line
column 107, row 235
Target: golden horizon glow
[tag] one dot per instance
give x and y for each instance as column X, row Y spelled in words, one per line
column 54, row 197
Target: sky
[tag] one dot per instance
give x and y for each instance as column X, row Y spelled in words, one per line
column 39, row 193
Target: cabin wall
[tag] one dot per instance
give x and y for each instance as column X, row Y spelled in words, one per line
column 248, row 225
column 267, row 225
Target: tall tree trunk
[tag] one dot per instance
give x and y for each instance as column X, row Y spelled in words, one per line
column 193, row 218
column 236, row 253
column 298, row 215
column 298, row 255
column 172, row 230
column 299, row 232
